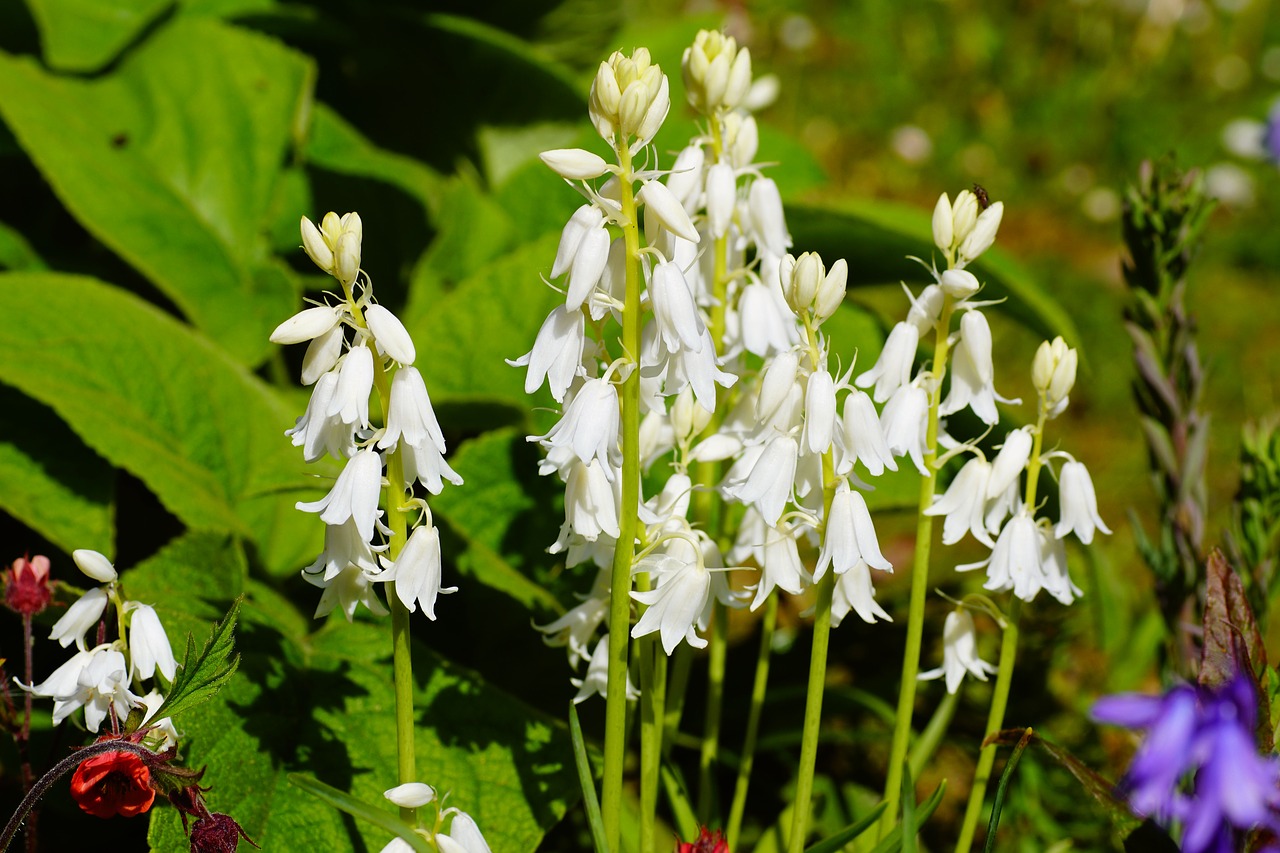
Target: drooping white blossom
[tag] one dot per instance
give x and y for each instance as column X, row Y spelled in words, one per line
column 354, row 495
column 416, row 571
column 80, row 617
column 892, row 369
column 959, row 652
column 557, row 353
column 849, row 536
column 149, row 648
column 391, row 335
column 1079, row 503
column 855, row 592
column 964, row 504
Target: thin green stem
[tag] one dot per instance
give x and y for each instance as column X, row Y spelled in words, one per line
column 624, row 552
column 711, row 722
column 919, row 578
column 995, row 721
column 674, row 704
column 768, row 625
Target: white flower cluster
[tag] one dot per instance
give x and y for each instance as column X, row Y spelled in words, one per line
column 462, row 836
column 355, row 344
column 714, row 260
column 107, row 679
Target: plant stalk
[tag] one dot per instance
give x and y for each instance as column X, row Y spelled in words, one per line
column 768, row 625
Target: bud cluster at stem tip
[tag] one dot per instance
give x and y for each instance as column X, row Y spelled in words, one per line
column 809, row 287
column 629, row 97
column 717, row 74
column 1054, row 374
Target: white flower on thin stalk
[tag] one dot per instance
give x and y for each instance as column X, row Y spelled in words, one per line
column 849, row 536
column 596, row 681
column 721, row 194
column 860, row 438
column 892, row 369
column 149, row 648
column 767, row 325
column 780, row 564
column 557, row 353
column 322, row 355
column 819, row 412
column 80, row 618
column 578, row 625
column 410, row 795
column 350, row 400
column 102, row 686
column 855, row 592
column 410, row 414
column 698, row 369
column 972, row 373
column 588, row 429
column 390, row 334
column 351, row 587
column 679, row 324
column 904, row 422
column 964, row 504
column 685, row 178
column 1053, row 562
column 679, row 597
column 591, row 500
column 959, row 652
column 1079, row 503
column 63, row 683
column 463, row 836
column 318, row 433
column 426, row 465
column 1017, row 561
column 354, row 495
column 769, row 484
column 344, row 546
column 416, row 571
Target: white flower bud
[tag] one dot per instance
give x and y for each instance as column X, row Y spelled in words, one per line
column 983, row 233
column 942, row 224
column 584, row 219
column 776, row 384
column 604, row 99
column 662, row 204
column 959, row 284
column 635, row 101
column 314, row 244
column 739, row 79
column 149, row 647
column 831, row 292
column 964, row 212
column 819, row 412
column 410, row 795
column 95, row 565
column 802, row 285
column 687, row 417
column 322, row 354
column 575, row 163
column 346, row 263
column 629, row 95
column 331, row 227
column 741, row 139
column 390, row 333
column 306, row 325
column 1053, row 372
column 721, row 198
column 588, row 266
column 351, row 224
column 717, row 76
column 655, row 115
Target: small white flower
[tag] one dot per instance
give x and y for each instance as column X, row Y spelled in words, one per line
column 768, row 486
column 854, row 591
column 350, row 400
column 410, row 415
column 767, row 325
column 1053, row 372
column 391, row 335
column 686, row 175
column 416, row 571
column 722, row 189
column 95, row 565
column 964, row 504
column 79, row 618
column 62, row 684
column 575, row 164
column 1007, row 467
column 590, row 500
column 925, row 309
column 308, row 324
column 819, row 412
column 557, row 352
column 892, row 369
column 343, row 546
column 943, row 235
column 904, row 421
column 850, row 536
column 973, row 375
column 588, row 429
column 679, row 323
column 464, row 836
column 410, row 795
column 661, row 203
column 354, row 495
column 102, row 686
column 1079, row 503
column 589, row 264
column 316, row 432
column 578, row 625
column 780, row 564
column 698, row 369
column 982, row 236
column 959, row 652
column 426, row 464
column 350, row 587
column 959, row 284
column 677, row 602
column 860, row 438
column 596, row 681
column 768, row 223
column 584, row 219
column 1016, row 562
column 322, row 354
column 163, row 734
column 149, row 647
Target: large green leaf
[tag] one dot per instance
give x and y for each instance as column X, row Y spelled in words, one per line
column 172, row 162
column 322, row 706
column 162, row 402
column 497, row 514
column 877, row 239
column 52, row 482
column 16, row 253
column 84, row 35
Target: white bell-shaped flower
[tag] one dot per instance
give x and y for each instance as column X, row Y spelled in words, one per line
column 80, row 617
column 416, row 571
column 354, row 495
column 892, row 369
column 322, row 354
column 849, row 536
column 346, row 590
column 426, row 465
column 679, row 323
column 575, row 164
column 318, row 433
column 855, row 592
column 350, row 400
column 780, row 564
column 1079, row 503
column 410, row 415
column 62, row 684
column 589, row 427
column 662, row 204
column 768, row 326
column 410, row 795
column 149, row 647
column 959, row 652
column 596, row 681
column 964, row 504
column 391, row 335
column 860, row 438
column 585, row 219
column 722, row 190
column 768, row 485
column 1007, row 467
column 591, row 500
column 679, row 598
column 819, row 412
column 94, row 565
column 925, row 309
column 101, row 687
column 344, row 546
column 557, row 352
column 578, row 625
column 972, row 374
column 904, row 422
column 768, row 225
column 686, row 176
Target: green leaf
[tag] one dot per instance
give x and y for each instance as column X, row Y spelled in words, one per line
column 322, row 706
column 16, row 253
column 84, row 35
column 496, row 514
column 1232, row 640
column 366, row 812
column 677, row 792
column 335, row 145
column 587, row 779
column 837, row 842
column 877, row 238
column 172, row 163
column 52, row 482
column 893, row 843
column 156, row 399
column 202, row 677
column 997, row 805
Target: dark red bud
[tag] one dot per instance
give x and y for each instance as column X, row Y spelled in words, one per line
column 26, row 589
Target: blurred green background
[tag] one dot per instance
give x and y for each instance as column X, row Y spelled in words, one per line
column 426, row 118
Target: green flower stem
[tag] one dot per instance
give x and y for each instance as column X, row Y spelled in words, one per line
column 768, row 625
column 653, row 677
column 995, row 721
column 1004, row 676
column 620, row 589
column 821, row 641
column 919, row 578
column 715, row 697
column 676, row 685
column 401, row 652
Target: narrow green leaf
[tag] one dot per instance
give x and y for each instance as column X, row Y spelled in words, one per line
column 678, row 797
column 837, row 842
column 158, row 400
column 141, row 158
column 909, row 827
column 587, row 779
column 1003, row 788
column 893, row 843
column 202, row 676
column 366, row 812
column 504, row 42
column 84, row 35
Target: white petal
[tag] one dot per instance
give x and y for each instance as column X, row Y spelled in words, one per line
column 574, row 163
column 663, row 204
column 95, row 565
column 390, row 334
column 307, row 324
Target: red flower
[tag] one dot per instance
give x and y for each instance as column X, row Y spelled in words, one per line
column 706, row 843
column 113, row 783
column 26, row 589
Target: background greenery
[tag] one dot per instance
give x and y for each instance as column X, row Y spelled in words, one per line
column 154, row 160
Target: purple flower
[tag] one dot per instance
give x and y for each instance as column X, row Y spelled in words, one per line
column 1205, row 736
column 1271, row 135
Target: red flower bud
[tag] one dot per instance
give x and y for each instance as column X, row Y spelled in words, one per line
column 217, row 833
column 26, row 589
column 113, row 783
column 706, row 843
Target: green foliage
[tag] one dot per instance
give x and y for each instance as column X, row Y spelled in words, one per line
column 361, row 810
column 203, row 676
